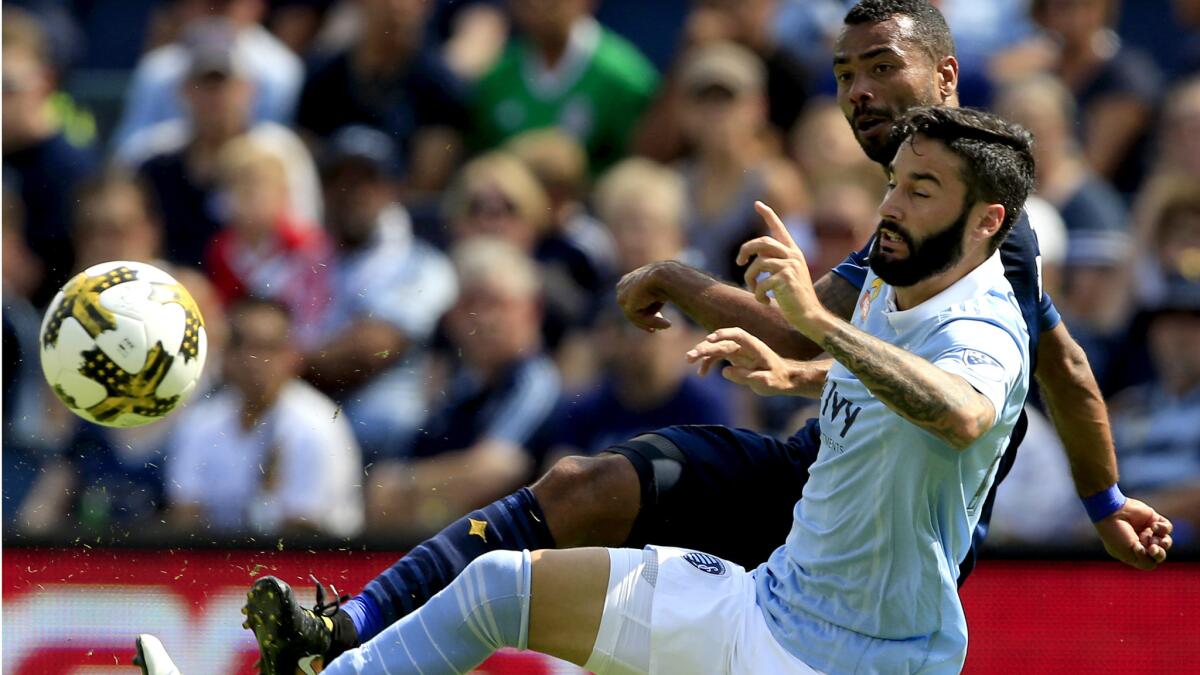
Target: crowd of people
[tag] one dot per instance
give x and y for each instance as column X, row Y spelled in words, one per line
column 404, row 221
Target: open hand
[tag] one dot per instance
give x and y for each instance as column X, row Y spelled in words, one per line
column 751, row 362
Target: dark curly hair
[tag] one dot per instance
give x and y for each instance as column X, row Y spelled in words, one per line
column 997, row 155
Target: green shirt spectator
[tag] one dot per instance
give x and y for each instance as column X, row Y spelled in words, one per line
column 596, row 89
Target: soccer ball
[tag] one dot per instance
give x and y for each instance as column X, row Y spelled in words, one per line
column 123, row 344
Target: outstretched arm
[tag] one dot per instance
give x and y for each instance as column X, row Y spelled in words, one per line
column 1135, row 533
column 715, row 305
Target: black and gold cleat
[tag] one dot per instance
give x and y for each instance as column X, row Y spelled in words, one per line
column 287, row 634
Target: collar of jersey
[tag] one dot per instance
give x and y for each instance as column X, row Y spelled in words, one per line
column 549, row 83
column 977, row 282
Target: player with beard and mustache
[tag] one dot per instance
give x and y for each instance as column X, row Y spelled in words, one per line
column 730, row 492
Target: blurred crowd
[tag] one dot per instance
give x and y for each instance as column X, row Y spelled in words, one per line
column 404, row 219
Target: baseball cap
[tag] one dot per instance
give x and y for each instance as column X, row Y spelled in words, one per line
column 363, row 144
column 212, row 49
column 724, row 64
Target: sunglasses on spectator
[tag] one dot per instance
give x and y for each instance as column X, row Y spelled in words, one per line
column 490, row 204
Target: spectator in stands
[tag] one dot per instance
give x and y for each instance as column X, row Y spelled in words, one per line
column 391, row 80
column 647, row 385
column 156, row 92
column 263, row 249
column 748, row 23
column 497, row 195
column 730, row 168
column 1168, row 235
column 483, row 435
column 389, row 289
column 1179, row 131
column 822, row 142
column 40, row 163
column 267, row 453
column 1187, row 61
column 1155, row 425
column 1116, row 87
column 644, row 204
column 565, row 70
column 575, row 251
column 26, row 445
column 178, row 159
column 845, row 213
column 1096, row 294
column 1087, row 202
column 103, row 476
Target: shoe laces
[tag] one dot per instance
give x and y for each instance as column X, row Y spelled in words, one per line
column 323, row 608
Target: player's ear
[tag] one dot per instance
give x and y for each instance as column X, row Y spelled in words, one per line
column 947, row 77
column 990, row 221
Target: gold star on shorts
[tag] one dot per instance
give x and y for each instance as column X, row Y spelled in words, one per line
column 477, row 528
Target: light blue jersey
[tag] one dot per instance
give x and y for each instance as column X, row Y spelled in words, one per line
column 866, row 581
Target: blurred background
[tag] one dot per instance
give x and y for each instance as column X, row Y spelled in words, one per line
column 403, row 221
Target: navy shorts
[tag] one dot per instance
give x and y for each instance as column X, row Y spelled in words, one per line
column 727, row 492
column 731, row 492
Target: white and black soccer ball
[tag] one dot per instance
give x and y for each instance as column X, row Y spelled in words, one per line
column 123, row 344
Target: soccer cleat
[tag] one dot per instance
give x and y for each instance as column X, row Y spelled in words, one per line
column 288, row 634
column 152, row 657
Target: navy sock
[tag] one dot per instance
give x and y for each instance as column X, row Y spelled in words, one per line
column 512, row 523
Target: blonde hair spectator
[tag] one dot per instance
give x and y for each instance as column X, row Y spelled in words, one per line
column 497, row 194
column 494, row 262
column 644, row 204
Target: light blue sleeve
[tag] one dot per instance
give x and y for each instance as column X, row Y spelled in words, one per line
column 983, row 353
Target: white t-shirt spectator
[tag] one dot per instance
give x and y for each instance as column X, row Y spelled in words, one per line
column 300, row 462
column 154, row 95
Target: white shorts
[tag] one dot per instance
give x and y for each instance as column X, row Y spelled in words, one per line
column 701, row 616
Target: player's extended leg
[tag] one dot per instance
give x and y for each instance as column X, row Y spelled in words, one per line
column 581, row 500
column 721, row 490
column 550, row 601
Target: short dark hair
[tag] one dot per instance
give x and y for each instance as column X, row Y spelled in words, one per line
column 929, row 26
column 997, row 155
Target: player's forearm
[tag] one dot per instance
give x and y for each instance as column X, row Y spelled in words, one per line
column 1077, row 409
column 943, row 404
column 714, row 305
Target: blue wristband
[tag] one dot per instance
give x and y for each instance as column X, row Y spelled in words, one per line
column 1104, row 503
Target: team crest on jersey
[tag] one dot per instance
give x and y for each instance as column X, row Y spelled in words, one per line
column 706, row 563
column 867, row 298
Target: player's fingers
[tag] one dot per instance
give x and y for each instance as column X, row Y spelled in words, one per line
column 764, row 247
column 767, row 285
column 648, row 320
column 750, row 345
column 774, row 225
column 755, row 272
column 736, row 374
column 1162, row 527
column 721, row 349
column 1158, row 553
column 1165, row 542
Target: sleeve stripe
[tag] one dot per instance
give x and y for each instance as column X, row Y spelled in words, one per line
column 531, row 401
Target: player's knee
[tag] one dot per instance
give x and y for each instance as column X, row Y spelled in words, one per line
column 589, row 500
column 500, row 602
